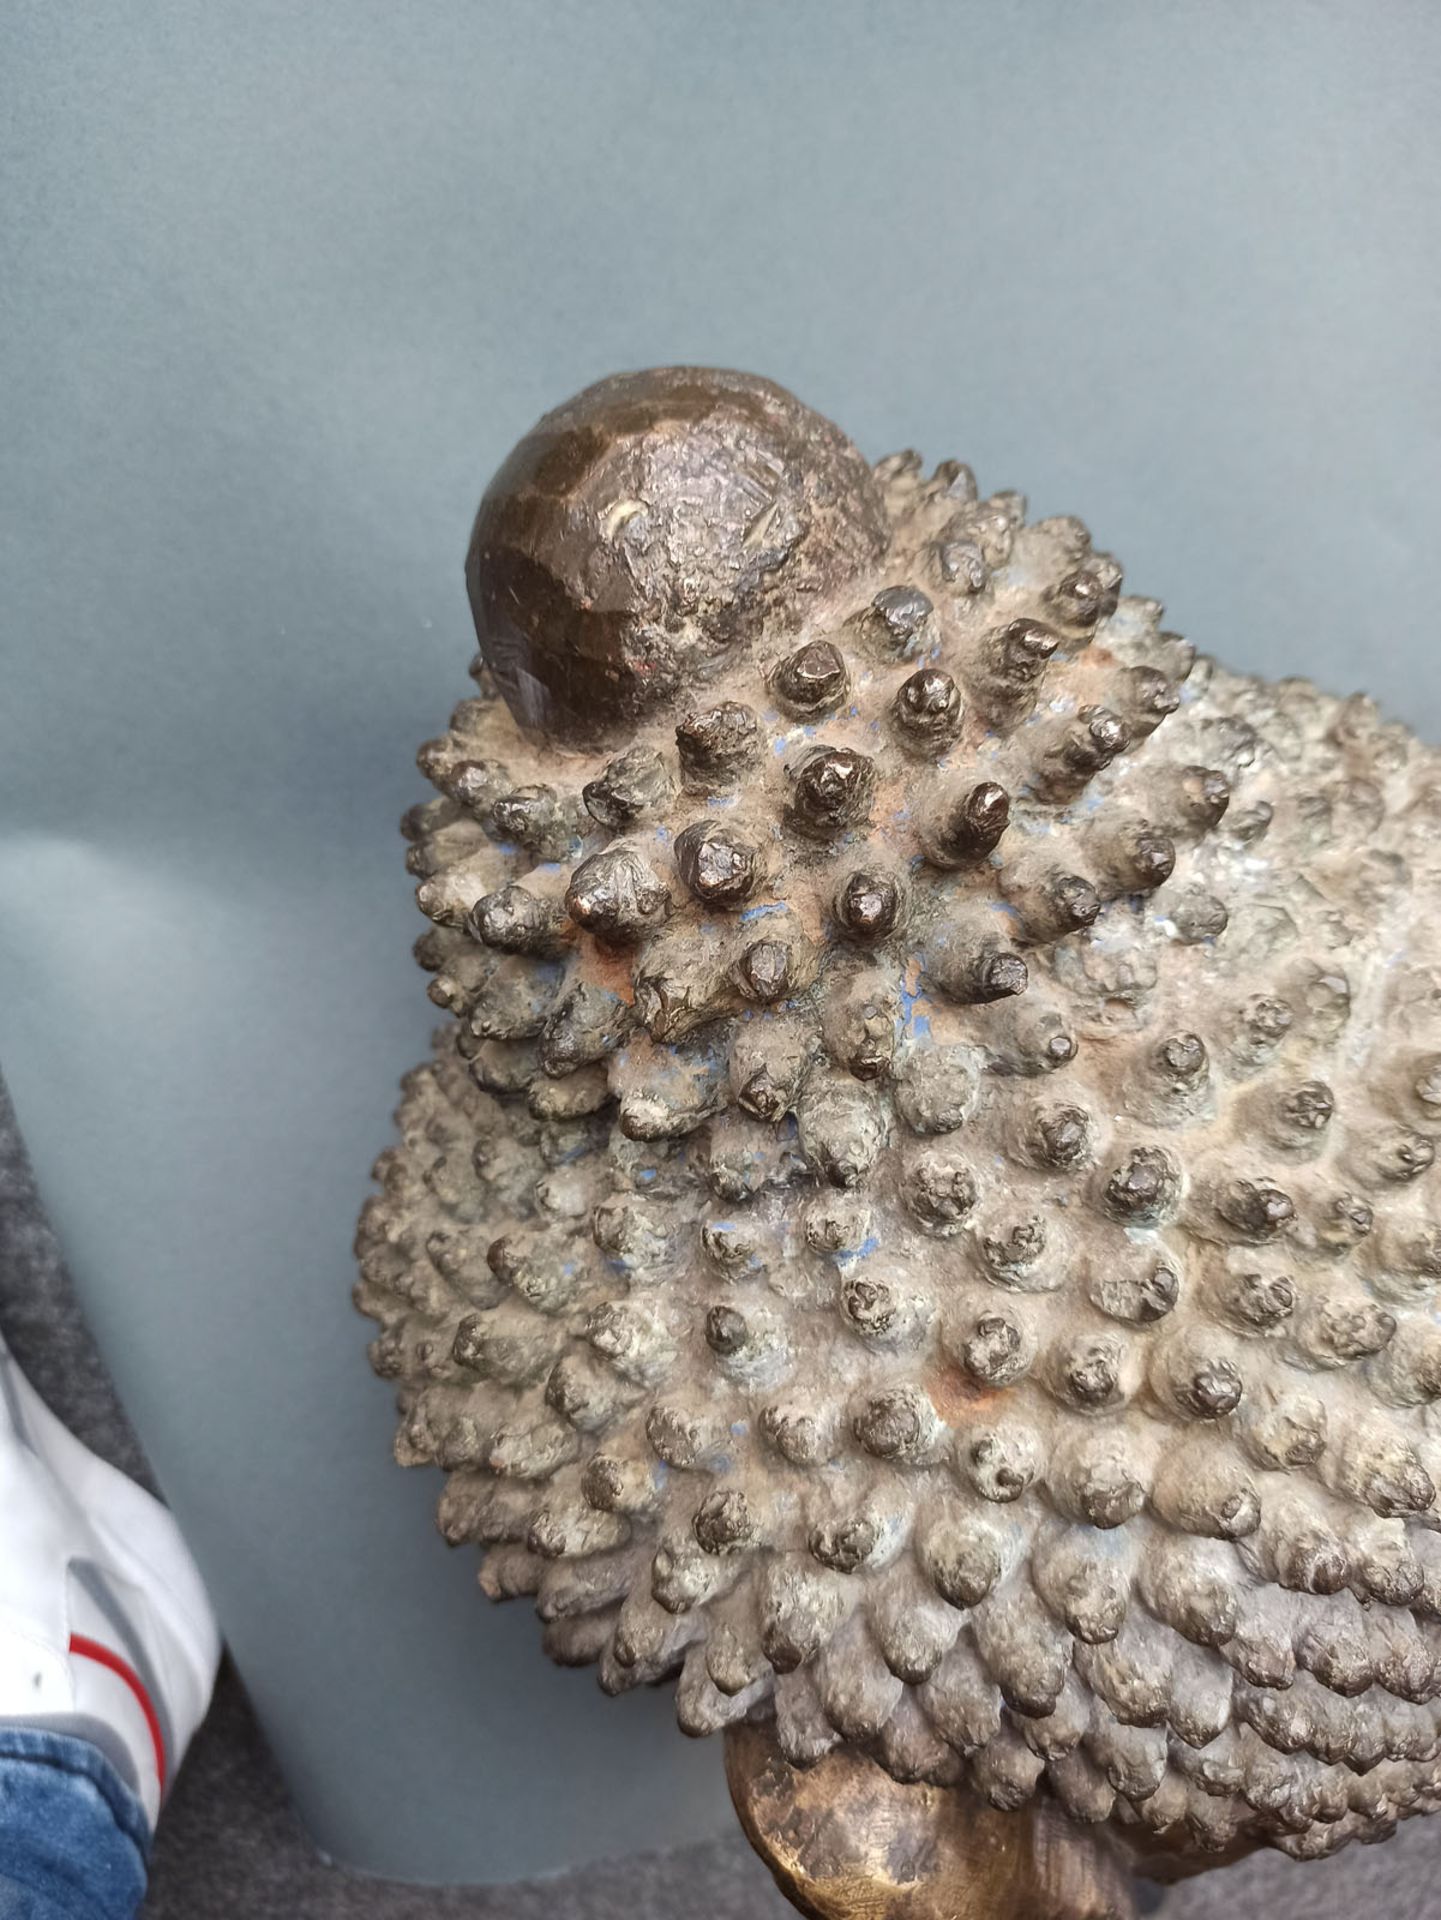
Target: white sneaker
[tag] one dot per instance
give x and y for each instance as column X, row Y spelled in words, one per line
column 105, row 1628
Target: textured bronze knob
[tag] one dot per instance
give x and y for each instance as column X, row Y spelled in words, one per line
column 643, row 531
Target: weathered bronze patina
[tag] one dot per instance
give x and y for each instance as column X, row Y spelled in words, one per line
column 921, row 1222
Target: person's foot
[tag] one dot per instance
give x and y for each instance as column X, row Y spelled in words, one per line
column 105, row 1629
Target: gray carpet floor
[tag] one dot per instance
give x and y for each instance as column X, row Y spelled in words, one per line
column 231, row 1848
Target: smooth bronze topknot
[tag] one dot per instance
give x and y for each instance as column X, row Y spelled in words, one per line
column 641, row 532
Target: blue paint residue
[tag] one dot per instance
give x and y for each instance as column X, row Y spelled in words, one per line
column 911, row 1021
column 847, row 1256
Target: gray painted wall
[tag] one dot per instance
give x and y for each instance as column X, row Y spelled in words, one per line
column 281, row 284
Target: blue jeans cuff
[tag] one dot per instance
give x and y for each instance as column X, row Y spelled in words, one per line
column 74, row 1840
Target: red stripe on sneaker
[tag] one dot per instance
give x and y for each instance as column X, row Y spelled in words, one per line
column 102, row 1656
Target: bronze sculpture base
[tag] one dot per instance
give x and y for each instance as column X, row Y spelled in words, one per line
column 846, row 1842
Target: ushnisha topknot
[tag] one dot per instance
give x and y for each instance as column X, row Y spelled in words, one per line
column 921, row 1221
column 642, row 532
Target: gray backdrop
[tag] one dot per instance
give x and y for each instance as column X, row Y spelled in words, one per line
column 281, row 284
